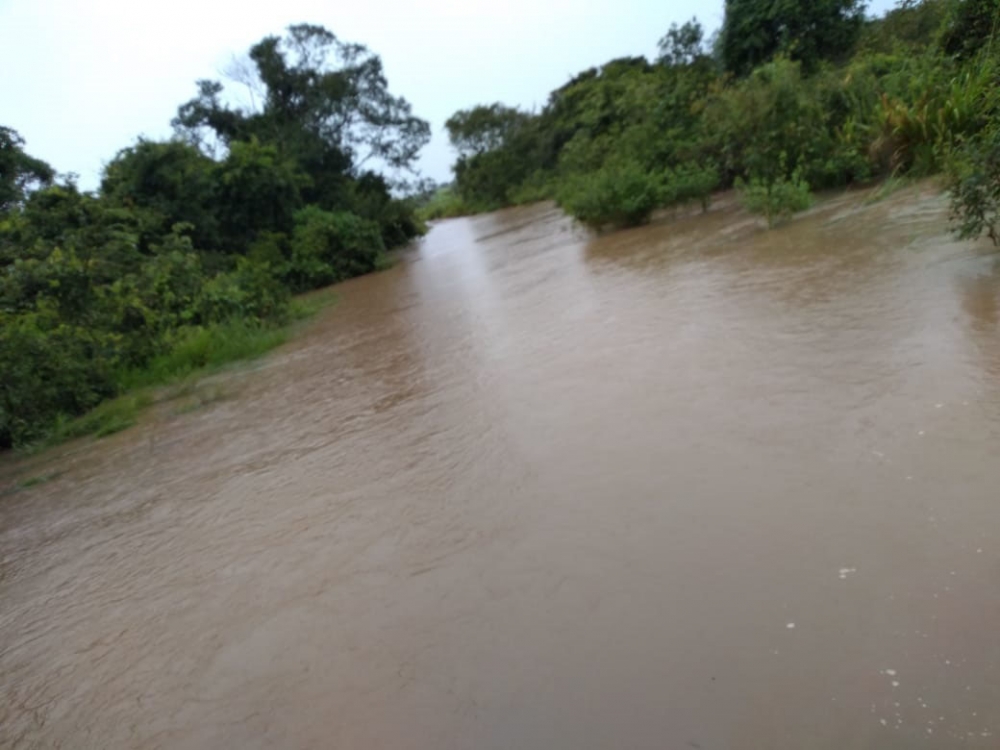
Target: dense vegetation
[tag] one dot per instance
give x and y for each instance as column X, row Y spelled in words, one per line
column 190, row 249
column 789, row 97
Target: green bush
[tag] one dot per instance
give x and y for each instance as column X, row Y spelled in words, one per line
column 331, row 246
column 974, row 183
column 776, row 199
column 50, row 368
column 620, row 194
column 692, row 182
column 251, row 293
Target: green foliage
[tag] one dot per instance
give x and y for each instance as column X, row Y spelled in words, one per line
column 257, row 191
column 197, row 348
column 912, row 24
column 970, row 28
column 51, row 367
column 19, row 172
column 974, row 180
column 328, row 247
column 108, row 418
column 170, row 182
column 692, row 182
column 809, row 31
column 444, row 203
column 323, row 103
column 621, row 194
column 776, row 111
column 250, row 293
column 940, row 107
column 682, row 45
column 775, row 198
column 483, row 128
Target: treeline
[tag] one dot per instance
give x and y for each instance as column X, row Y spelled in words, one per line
column 789, row 97
column 210, row 231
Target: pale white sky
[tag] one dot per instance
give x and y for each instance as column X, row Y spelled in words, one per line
column 80, row 80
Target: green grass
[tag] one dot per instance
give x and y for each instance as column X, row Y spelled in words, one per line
column 890, row 185
column 198, row 398
column 25, row 484
column 306, row 306
column 197, row 350
column 106, row 419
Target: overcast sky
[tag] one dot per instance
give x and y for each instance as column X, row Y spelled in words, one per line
column 80, row 80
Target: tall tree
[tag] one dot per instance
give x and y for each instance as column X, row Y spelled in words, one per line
column 321, row 102
column 682, row 45
column 754, row 31
column 483, row 128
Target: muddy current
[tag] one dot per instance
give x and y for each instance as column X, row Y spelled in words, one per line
column 694, row 485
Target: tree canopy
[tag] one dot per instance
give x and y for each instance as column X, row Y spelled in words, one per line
column 810, row 31
column 319, row 101
column 19, row 172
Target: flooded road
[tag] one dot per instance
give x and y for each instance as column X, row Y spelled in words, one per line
column 695, row 485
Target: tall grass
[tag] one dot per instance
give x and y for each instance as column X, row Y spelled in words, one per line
column 198, row 349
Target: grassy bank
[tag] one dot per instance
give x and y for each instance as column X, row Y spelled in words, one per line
column 175, row 375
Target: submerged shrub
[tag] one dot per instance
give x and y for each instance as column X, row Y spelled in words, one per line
column 776, row 199
column 974, row 182
column 692, row 182
column 621, row 194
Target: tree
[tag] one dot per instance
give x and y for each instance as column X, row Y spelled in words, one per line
column 323, row 102
column 810, row 31
column 483, row 128
column 256, row 191
column 683, row 45
column 19, row 172
column 173, row 180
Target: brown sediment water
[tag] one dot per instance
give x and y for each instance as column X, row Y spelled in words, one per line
column 693, row 485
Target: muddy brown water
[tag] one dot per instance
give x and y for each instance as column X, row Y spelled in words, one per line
column 695, row 485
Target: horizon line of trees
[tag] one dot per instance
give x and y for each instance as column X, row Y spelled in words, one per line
column 790, row 96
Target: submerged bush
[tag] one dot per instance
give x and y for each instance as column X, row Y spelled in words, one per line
column 776, row 199
column 974, row 181
column 621, row 194
column 692, row 182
